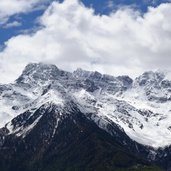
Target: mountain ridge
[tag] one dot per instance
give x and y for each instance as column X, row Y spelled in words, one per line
column 149, row 89
column 125, row 109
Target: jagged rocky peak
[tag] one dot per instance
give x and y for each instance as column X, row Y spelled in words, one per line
column 127, row 81
column 97, row 76
column 166, row 84
column 155, row 85
column 94, row 80
column 40, row 67
column 4, row 88
column 149, row 78
column 39, row 71
column 80, row 73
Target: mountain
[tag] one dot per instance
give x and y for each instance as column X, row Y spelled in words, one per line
column 54, row 120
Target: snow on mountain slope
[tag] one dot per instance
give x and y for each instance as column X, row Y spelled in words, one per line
column 151, row 92
column 143, row 111
column 12, row 100
column 33, row 112
column 140, row 107
column 140, row 122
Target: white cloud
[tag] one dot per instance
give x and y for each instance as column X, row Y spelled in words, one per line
column 73, row 36
column 12, row 24
column 12, row 7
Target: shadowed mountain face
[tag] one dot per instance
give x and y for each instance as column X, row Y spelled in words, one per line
column 71, row 143
column 56, row 120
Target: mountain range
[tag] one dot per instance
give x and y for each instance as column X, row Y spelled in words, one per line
column 54, row 120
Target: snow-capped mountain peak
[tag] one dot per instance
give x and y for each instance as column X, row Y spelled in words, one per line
column 38, row 72
column 149, row 78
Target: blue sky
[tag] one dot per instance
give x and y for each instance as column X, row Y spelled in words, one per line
column 28, row 21
column 103, row 6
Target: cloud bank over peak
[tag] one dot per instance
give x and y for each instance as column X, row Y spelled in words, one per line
column 71, row 35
